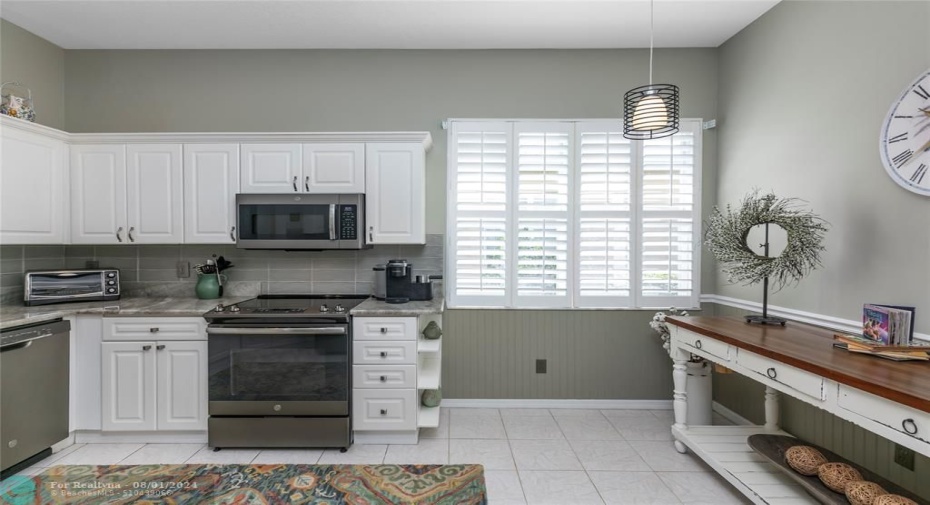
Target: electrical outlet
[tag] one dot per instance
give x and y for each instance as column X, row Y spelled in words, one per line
column 904, row 457
column 184, row 269
column 540, row 366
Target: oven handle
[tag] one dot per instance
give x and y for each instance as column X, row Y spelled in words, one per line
column 276, row 331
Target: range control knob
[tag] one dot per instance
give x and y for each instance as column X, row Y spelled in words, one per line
column 219, row 308
column 339, row 308
column 233, row 308
column 324, row 308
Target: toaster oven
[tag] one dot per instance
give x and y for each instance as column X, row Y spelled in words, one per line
column 65, row 286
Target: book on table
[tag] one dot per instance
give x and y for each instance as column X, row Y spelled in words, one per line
column 888, row 324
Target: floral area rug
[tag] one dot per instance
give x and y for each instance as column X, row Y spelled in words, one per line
column 249, row 485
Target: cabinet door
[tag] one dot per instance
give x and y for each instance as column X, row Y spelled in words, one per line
column 182, row 385
column 98, row 194
column 33, row 189
column 211, row 181
column 333, row 168
column 153, row 194
column 128, row 383
column 395, row 193
column 270, row 168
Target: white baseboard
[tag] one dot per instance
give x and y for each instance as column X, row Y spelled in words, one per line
column 731, row 416
column 556, row 404
column 386, row 437
column 829, row 322
column 64, row 444
column 140, row 437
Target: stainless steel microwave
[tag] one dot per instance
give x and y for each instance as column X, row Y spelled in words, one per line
column 289, row 221
column 63, row 286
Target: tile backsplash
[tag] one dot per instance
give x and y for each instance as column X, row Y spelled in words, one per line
column 152, row 270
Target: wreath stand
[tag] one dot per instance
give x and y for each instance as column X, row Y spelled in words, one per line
column 764, row 318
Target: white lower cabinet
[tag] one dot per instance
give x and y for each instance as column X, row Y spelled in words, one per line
column 152, row 385
column 392, row 364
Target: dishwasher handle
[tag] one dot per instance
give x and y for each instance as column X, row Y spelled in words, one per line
column 16, row 346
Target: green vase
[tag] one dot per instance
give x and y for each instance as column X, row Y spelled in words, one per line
column 432, row 331
column 208, row 287
column 431, row 397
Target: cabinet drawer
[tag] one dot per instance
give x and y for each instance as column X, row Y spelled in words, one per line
column 384, row 328
column 900, row 418
column 153, row 328
column 796, row 379
column 384, row 353
column 384, row 376
column 701, row 345
column 384, row 409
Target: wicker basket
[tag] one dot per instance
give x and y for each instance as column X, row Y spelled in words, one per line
column 837, row 475
column 893, row 499
column 863, row 492
column 17, row 106
column 804, row 459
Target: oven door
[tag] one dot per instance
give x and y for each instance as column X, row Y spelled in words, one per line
column 300, row 370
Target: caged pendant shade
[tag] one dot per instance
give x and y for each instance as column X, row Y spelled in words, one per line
column 651, row 111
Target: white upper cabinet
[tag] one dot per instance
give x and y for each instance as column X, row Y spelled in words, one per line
column 334, row 168
column 303, row 168
column 126, row 194
column 98, row 194
column 33, row 188
column 395, row 193
column 211, row 181
column 271, row 168
column 154, row 195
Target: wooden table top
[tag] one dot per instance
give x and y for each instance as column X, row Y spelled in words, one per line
column 811, row 348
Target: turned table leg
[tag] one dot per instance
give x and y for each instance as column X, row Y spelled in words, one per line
column 680, row 397
column 771, row 409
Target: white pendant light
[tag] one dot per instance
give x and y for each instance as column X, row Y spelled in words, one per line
column 651, row 111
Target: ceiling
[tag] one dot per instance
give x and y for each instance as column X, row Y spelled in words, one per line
column 381, row 24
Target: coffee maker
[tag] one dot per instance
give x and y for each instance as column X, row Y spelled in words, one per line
column 399, row 285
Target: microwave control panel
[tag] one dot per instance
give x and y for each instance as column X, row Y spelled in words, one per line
column 348, row 222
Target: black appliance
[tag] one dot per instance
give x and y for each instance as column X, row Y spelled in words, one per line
column 306, row 221
column 399, row 284
column 280, row 372
column 67, row 286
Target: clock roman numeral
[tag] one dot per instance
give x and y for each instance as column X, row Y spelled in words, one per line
column 902, row 158
column 898, row 138
column 922, row 93
column 919, row 174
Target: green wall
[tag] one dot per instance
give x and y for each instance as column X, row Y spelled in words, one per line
column 38, row 64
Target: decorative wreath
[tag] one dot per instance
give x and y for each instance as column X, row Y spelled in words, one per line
column 727, row 232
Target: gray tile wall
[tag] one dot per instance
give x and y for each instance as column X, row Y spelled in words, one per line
column 152, row 269
column 17, row 259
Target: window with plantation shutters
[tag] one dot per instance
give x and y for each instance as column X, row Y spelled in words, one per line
column 570, row 214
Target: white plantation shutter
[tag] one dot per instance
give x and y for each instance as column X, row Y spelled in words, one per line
column 571, row 214
column 542, row 238
column 479, row 160
column 604, row 213
column 668, row 242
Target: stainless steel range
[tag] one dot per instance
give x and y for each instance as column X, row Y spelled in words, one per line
column 280, row 372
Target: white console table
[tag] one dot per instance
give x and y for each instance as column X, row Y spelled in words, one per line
column 891, row 399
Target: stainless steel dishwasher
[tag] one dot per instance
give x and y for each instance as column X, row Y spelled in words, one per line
column 34, row 369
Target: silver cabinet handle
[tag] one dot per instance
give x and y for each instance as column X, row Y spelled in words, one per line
column 307, row 183
column 383, row 354
column 295, row 183
column 154, row 330
column 383, row 378
column 146, row 348
column 159, row 347
column 371, row 233
column 332, row 221
column 913, row 426
column 232, row 234
column 131, row 239
column 383, row 412
column 698, row 344
column 118, row 231
column 383, row 330
column 771, row 373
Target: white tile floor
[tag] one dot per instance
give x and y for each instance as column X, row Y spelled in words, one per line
column 530, row 456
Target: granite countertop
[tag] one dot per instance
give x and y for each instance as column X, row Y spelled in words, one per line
column 373, row 307
column 16, row 315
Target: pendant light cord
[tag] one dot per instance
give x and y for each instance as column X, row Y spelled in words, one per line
column 651, row 34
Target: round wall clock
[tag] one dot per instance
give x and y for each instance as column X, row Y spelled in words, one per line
column 905, row 138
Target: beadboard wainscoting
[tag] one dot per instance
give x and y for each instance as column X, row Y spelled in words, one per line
column 591, row 354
